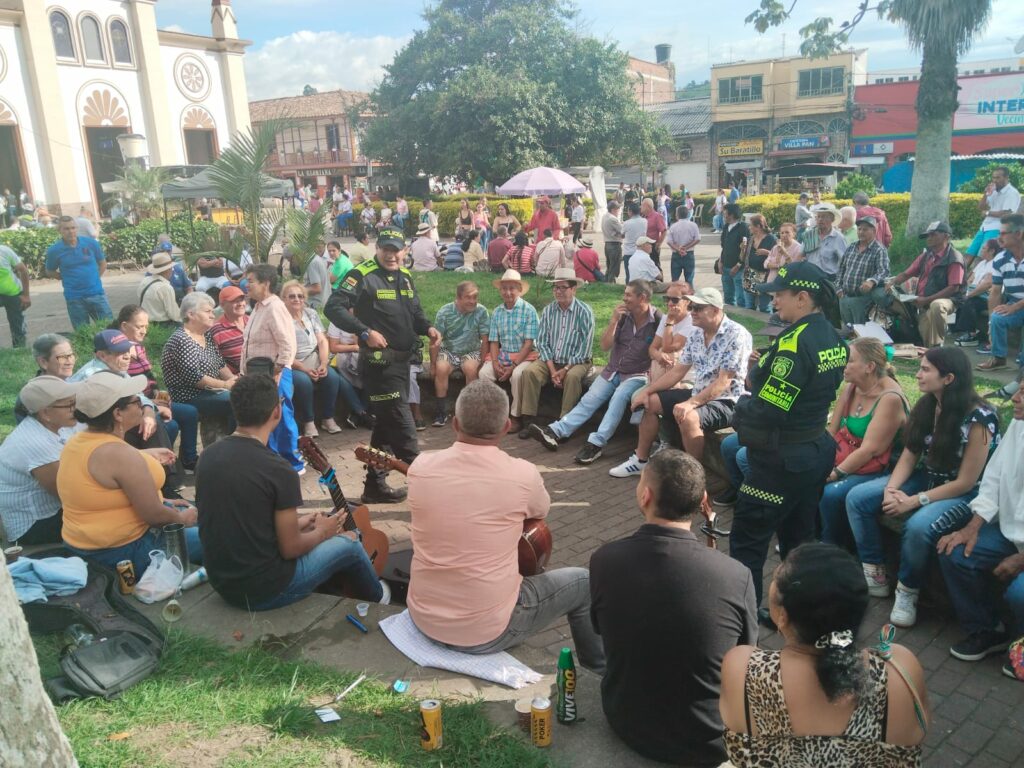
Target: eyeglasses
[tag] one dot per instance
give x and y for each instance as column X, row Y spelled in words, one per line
column 561, row 287
column 65, row 358
column 134, row 401
column 674, row 299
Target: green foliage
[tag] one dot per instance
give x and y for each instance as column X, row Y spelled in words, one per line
column 492, row 87
column 984, row 176
column 306, row 230
column 855, row 182
column 141, row 189
column 127, row 243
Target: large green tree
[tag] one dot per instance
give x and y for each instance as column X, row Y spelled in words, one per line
column 492, row 87
column 943, row 30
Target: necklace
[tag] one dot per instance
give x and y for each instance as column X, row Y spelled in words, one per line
column 863, row 397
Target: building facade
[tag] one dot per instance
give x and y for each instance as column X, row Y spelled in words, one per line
column 319, row 146
column 773, row 113
column 654, row 82
column 687, row 159
column 76, row 74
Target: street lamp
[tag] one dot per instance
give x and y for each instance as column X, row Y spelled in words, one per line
column 134, row 149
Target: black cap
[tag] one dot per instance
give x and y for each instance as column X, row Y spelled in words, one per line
column 936, row 226
column 390, row 236
column 800, row 276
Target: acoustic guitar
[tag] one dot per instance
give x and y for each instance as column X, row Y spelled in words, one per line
column 357, row 516
column 534, row 544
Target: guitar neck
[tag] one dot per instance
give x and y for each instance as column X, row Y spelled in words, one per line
column 329, row 478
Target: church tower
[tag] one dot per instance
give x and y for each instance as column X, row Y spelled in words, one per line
column 224, row 27
column 222, row 20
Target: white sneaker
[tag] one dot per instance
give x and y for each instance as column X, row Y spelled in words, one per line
column 878, row 582
column 309, row 429
column 631, row 467
column 331, row 426
column 904, row 610
column 385, row 599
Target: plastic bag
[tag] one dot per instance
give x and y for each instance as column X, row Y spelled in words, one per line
column 161, row 579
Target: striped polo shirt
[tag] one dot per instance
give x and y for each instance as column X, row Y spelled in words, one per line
column 566, row 335
column 1009, row 273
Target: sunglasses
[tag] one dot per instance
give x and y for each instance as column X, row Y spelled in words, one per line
column 296, row 296
column 674, row 299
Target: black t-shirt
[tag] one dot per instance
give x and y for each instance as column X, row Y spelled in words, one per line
column 236, row 518
column 668, row 609
column 732, row 242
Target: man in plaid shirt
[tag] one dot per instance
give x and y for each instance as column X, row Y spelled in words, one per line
column 863, row 271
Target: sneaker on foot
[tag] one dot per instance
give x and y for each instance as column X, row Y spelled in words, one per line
column 1005, row 392
column 385, row 599
column 309, row 429
column 545, row 436
column 439, row 420
column 878, row 582
column 331, row 426
column 984, row 349
column 421, row 424
column 904, row 609
column 727, row 498
column 967, row 340
column 588, row 454
column 977, row 645
column 189, row 467
column 631, row 467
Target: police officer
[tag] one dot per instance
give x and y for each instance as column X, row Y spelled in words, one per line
column 377, row 302
column 782, row 421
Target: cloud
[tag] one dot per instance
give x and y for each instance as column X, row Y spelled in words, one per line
column 325, row 60
column 173, row 28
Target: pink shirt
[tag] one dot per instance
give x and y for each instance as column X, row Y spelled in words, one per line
column 468, row 504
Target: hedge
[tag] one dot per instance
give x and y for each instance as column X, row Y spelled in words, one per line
column 132, row 244
column 964, row 216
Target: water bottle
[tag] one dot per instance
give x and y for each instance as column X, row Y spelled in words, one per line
column 78, row 635
column 194, row 579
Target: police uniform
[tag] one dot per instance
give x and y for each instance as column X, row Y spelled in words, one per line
column 373, row 298
column 782, row 423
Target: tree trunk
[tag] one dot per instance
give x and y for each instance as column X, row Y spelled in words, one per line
column 30, row 735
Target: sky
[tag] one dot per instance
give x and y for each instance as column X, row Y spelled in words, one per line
column 342, row 44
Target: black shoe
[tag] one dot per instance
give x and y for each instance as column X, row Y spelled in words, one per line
column 977, row 645
column 967, row 340
column 588, row 454
column 383, row 494
column 189, row 466
column 360, row 420
column 524, row 433
column 764, row 618
column 440, row 420
column 544, row 436
column 726, row 498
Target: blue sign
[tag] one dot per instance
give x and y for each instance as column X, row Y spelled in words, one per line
column 804, row 142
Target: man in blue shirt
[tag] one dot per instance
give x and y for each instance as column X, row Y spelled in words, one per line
column 78, row 262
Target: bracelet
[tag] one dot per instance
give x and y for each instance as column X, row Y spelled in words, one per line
column 841, row 474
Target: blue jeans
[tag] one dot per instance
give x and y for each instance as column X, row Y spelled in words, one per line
column 732, row 288
column 617, row 392
column 325, row 389
column 88, row 308
column 718, row 221
column 356, row 399
column 344, row 221
column 998, row 326
column 339, row 554
column 685, row 265
column 970, row 586
column 835, row 528
column 216, row 404
column 284, row 440
column 543, row 600
column 758, row 301
column 735, row 457
column 138, row 551
column 187, row 418
column 864, row 507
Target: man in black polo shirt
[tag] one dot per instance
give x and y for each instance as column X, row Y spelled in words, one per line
column 734, row 234
column 668, row 609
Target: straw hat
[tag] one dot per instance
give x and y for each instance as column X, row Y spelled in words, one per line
column 511, row 276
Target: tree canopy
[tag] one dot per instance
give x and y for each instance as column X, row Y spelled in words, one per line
column 492, row 87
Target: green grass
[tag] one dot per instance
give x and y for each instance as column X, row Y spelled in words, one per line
column 206, row 698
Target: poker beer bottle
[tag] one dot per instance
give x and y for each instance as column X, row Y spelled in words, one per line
column 566, row 682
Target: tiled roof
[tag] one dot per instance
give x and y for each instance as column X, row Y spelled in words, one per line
column 684, row 118
column 326, row 104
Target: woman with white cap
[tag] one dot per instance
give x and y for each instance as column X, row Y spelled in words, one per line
column 111, row 490
column 29, row 459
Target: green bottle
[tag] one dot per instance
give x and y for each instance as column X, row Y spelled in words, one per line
column 566, row 682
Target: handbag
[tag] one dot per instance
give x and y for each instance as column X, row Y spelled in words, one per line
column 847, row 443
column 752, row 277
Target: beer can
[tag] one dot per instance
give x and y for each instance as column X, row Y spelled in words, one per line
column 432, row 732
column 540, row 722
column 126, row 577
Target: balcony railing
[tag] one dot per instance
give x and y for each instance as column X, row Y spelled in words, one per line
column 310, row 157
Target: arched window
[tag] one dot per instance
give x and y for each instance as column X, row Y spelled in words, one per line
column 92, row 40
column 119, row 42
column 63, row 40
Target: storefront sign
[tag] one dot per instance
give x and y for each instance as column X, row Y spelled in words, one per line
column 990, row 102
column 877, row 148
column 804, row 142
column 740, row 148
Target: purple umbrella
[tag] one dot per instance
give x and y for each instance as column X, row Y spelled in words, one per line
column 541, row 181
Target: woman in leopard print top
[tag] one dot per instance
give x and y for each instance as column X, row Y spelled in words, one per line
column 822, row 700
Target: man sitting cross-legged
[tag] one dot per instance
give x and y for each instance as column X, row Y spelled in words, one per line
column 565, row 343
column 468, row 505
column 717, row 349
column 628, row 335
column 258, row 551
column 657, row 624
column 463, row 326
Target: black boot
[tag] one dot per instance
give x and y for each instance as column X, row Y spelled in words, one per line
column 525, row 422
column 377, row 491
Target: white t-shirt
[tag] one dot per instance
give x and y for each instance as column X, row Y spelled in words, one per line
column 22, row 499
column 981, row 268
column 579, row 213
column 1005, row 199
column 347, row 363
column 641, row 267
column 682, row 328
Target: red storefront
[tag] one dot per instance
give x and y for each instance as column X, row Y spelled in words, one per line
column 990, row 118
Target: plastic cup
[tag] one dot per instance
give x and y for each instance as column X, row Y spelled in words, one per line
column 172, row 611
column 362, row 609
column 11, row 554
column 523, row 714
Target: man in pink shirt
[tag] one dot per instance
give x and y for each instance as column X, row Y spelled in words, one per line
column 545, row 218
column 656, row 227
column 468, row 505
column 586, row 263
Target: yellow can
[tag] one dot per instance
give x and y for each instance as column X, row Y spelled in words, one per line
column 432, row 732
column 540, row 722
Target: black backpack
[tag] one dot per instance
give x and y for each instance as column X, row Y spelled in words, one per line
column 126, row 647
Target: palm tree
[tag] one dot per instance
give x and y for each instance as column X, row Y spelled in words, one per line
column 305, row 231
column 140, row 188
column 942, row 30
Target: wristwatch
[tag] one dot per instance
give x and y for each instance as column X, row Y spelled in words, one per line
column 364, row 335
column 923, row 500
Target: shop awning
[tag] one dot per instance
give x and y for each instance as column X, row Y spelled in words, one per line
column 743, row 165
column 814, row 170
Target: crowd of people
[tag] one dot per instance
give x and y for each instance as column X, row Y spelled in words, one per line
column 826, row 454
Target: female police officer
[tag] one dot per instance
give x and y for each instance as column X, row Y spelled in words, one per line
column 782, row 422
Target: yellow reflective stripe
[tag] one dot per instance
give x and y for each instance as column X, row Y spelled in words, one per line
column 760, row 495
column 788, row 342
column 387, row 293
